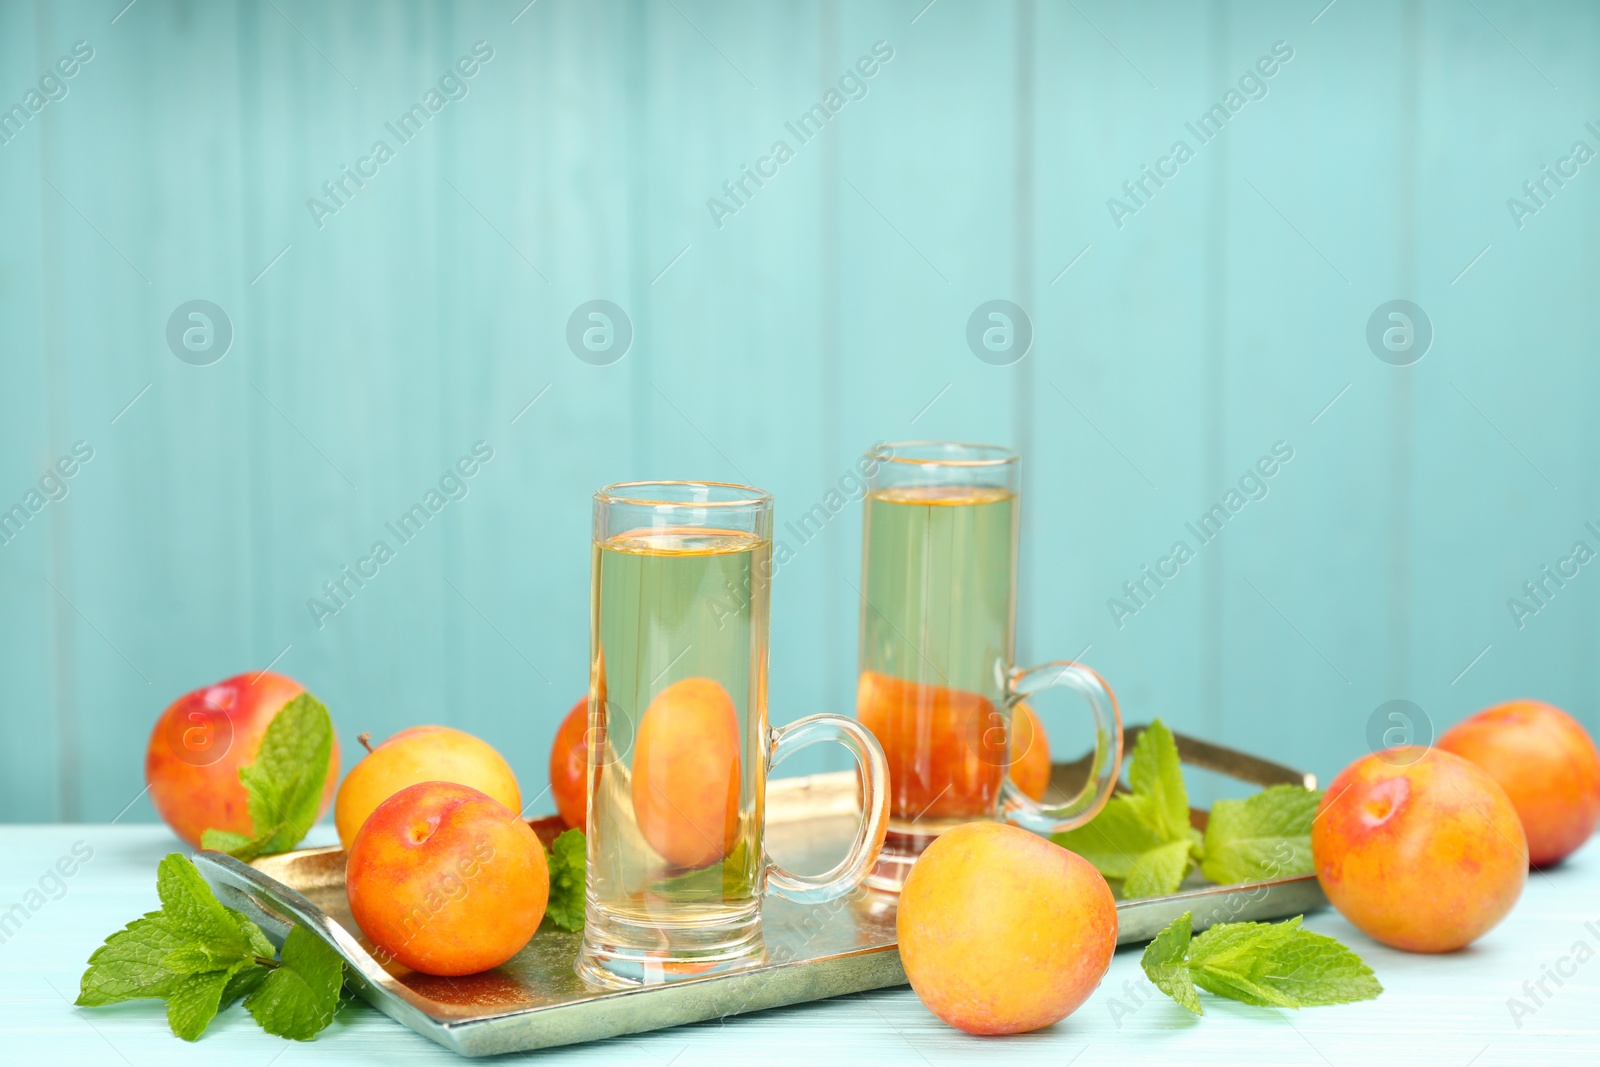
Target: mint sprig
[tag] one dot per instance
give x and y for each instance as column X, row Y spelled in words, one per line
column 566, row 859
column 1267, row 835
column 297, row 998
column 284, row 785
column 1156, row 777
column 1143, row 838
column 1164, row 963
column 200, row 957
column 1280, row 965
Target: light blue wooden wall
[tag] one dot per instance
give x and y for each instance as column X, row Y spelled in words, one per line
column 830, row 311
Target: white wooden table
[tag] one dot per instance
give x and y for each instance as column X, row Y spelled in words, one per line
column 1450, row 1010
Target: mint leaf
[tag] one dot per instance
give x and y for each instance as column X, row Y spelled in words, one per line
column 1156, row 777
column 225, row 841
column 245, row 980
column 196, row 958
column 1280, row 965
column 1231, row 959
column 1114, row 839
column 254, row 938
column 200, row 956
column 193, row 933
column 297, row 999
column 730, row 876
column 1159, row 871
column 188, row 904
column 1267, row 835
column 283, row 787
column 1241, row 948
column 566, row 860
column 1143, row 837
column 1315, row 969
column 193, row 1000
column 1241, row 988
column 1163, row 963
column 129, row 965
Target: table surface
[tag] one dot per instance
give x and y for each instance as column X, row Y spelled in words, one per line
column 1452, row 1010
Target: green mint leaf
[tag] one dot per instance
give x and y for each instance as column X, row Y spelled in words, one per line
column 1241, row 948
column 1156, row 777
column 1163, row 963
column 1240, row 988
column 1159, row 871
column 1144, row 837
column 1171, row 945
column 129, row 965
column 1315, row 969
column 284, row 785
column 1279, row 965
column 245, row 980
column 197, row 958
column 286, row 782
column 195, row 953
column 193, row 1000
column 254, row 938
column 1267, row 835
column 1276, row 965
column 566, row 859
column 730, row 876
column 193, row 910
column 225, row 841
column 297, row 998
column 1113, row 839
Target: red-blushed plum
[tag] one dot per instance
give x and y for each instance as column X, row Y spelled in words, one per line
column 446, row 880
column 569, row 766
column 1419, row 849
column 1547, row 764
column 421, row 754
column 200, row 742
column 1003, row 932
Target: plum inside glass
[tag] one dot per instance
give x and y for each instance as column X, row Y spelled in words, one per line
column 937, row 685
column 680, row 744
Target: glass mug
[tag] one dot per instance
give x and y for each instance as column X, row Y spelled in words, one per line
column 679, row 746
column 937, row 685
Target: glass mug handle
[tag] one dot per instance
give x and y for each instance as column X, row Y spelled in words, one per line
column 874, row 769
column 1107, row 762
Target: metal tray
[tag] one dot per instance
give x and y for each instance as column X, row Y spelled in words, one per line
column 813, row 951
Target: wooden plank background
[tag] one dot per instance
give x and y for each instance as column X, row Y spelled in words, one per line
column 828, row 312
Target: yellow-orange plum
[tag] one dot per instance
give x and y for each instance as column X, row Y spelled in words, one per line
column 421, row 754
column 1001, row 931
column 686, row 771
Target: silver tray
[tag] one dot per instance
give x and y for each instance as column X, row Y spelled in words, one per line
column 813, row 951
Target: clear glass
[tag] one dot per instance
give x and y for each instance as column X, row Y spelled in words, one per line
column 937, row 684
column 680, row 745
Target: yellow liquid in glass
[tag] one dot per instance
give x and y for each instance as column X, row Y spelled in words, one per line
column 937, row 633
column 680, row 669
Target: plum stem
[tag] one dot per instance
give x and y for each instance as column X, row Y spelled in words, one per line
column 366, row 742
